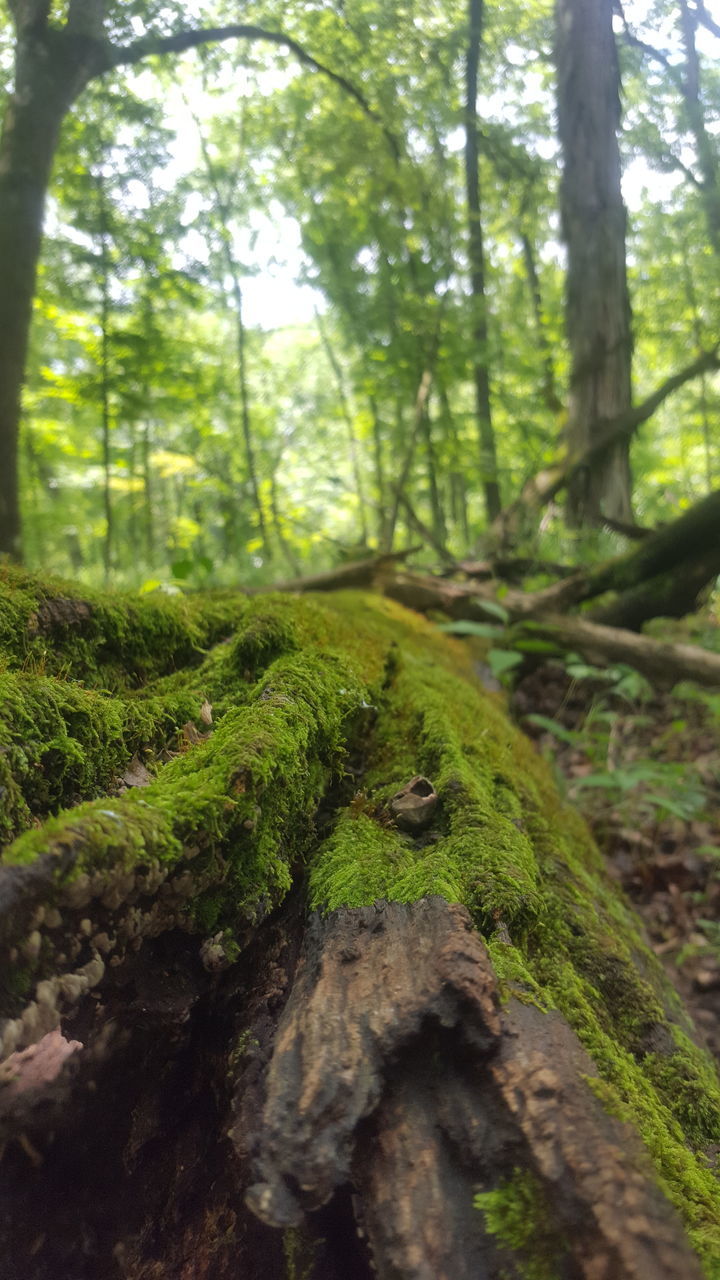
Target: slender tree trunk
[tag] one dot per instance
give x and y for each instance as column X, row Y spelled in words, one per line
column 457, row 476
column 436, row 508
column 698, row 334
column 283, row 543
column 347, row 415
column 476, row 252
column 31, row 126
column 594, row 219
column 245, row 405
column 704, row 143
column 549, row 380
column 105, row 374
column 148, row 520
column 382, row 512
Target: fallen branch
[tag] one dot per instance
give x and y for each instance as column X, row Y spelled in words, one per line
column 668, row 663
column 358, row 573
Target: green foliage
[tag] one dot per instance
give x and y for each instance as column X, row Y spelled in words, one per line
column 643, row 789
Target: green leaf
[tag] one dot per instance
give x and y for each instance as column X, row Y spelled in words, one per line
column 464, row 627
column 552, row 726
column 501, row 660
column 494, row 609
column 181, row 569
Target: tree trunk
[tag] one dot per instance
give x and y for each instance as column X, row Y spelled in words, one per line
column 705, row 142
column 31, row 126
column 476, row 253
column 594, row 219
column 464, row 1063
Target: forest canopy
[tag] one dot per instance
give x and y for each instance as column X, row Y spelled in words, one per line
column 320, row 285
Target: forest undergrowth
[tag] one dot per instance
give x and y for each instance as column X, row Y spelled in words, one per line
column 642, row 764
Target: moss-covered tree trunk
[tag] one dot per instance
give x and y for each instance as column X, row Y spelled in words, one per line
column 315, row 976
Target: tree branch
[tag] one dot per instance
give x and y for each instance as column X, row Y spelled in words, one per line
column 657, row 55
column 158, row 46
column 543, row 487
column 703, row 17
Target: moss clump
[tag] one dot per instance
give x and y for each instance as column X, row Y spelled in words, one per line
column 478, row 854
column 245, row 797
column 107, row 640
column 519, row 1215
column 60, row 742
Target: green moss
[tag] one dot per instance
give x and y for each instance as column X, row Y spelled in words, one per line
column 519, row 1215
column 108, row 640
column 60, row 742
column 559, row 933
column 428, row 723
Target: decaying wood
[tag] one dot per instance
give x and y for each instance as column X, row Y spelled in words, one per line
column 667, row 663
column 358, row 573
column 511, row 568
column 394, row 1066
column 378, row 1098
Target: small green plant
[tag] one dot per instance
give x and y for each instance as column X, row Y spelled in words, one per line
column 518, row 1214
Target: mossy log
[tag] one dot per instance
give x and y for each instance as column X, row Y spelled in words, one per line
column 342, row 989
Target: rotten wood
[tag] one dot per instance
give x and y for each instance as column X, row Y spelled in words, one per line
column 395, row 1066
column 661, row 661
column 667, row 663
column 358, row 573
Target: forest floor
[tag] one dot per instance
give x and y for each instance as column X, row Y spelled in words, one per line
column 643, row 766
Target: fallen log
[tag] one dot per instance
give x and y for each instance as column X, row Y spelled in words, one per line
column 661, row 662
column 668, row 663
column 485, row 1072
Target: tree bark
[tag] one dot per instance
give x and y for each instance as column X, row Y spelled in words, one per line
column 421, row 1080
column 476, row 253
column 46, row 81
column 593, row 220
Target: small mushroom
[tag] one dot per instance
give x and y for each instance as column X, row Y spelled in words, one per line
column 413, row 806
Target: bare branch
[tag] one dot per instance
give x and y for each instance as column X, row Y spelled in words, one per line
column 704, row 18
column 656, row 55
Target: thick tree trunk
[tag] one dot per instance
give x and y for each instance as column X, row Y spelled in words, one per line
column 594, row 218
column 464, row 1064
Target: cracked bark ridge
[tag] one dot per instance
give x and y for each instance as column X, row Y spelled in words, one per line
column 395, row 1071
column 369, row 980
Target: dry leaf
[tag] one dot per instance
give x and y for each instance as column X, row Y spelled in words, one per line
column 206, row 712
column 136, row 775
column 191, row 735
